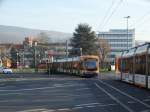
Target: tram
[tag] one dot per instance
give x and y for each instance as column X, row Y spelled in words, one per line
column 135, row 65
column 86, row 66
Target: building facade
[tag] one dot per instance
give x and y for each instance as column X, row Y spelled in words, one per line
column 119, row 40
column 34, row 52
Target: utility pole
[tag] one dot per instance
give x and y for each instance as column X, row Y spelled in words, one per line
column 127, row 17
column 35, row 44
column 67, row 49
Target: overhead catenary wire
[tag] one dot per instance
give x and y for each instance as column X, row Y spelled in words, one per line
column 112, row 13
column 141, row 26
column 141, row 20
column 107, row 13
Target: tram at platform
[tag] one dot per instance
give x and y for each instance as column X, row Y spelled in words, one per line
column 86, row 66
column 135, row 65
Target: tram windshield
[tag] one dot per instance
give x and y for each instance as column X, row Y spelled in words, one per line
column 90, row 64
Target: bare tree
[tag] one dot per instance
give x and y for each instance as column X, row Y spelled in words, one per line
column 43, row 38
column 104, row 49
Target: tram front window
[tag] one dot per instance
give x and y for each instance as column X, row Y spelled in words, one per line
column 90, row 64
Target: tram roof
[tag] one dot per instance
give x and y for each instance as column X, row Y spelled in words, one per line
column 67, row 59
column 143, row 44
column 78, row 58
column 136, row 50
column 124, row 54
column 142, row 48
column 131, row 52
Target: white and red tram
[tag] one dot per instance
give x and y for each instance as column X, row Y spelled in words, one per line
column 135, row 65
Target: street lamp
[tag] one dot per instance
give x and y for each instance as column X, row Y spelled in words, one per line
column 35, row 44
column 66, row 49
column 127, row 17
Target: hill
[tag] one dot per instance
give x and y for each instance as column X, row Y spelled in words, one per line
column 13, row 34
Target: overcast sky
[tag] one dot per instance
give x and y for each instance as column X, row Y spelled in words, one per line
column 64, row 15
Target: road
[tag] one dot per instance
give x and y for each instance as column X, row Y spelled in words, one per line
column 64, row 93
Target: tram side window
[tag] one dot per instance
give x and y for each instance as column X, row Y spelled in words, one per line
column 144, row 65
column 149, row 64
column 137, row 68
column 123, row 65
column 127, row 65
column 140, row 66
column 119, row 63
column 131, row 65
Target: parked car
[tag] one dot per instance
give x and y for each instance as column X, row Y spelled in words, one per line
column 5, row 70
column 1, row 69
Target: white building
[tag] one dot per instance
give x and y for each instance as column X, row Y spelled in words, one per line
column 119, row 40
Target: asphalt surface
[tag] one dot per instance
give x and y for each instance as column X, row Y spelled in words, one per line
column 65, row 93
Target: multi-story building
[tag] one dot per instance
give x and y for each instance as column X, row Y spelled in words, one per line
column 31, row 52
column 119, row 40
column 34, row 52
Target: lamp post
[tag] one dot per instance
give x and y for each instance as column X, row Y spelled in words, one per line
column 35, row 44
column 66, row 49
column 127, row 17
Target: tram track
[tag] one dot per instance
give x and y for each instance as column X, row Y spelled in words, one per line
column 122, row 98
